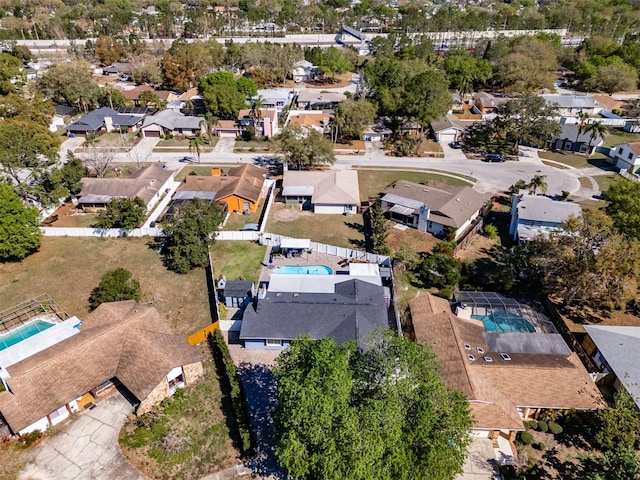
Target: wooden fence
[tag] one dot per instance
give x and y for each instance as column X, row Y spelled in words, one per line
column 201, row 335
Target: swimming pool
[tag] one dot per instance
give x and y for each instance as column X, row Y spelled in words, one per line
column 505, row 322
column 22, row 333
column 306, row 270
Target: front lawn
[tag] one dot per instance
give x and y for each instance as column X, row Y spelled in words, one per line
column 374, row 182
column 182, row 145
column 185, row 436
column 235, row 259
column 571, row 159
column 69, row 268
column 605, row 181
column 340, row 230
column 252, row 146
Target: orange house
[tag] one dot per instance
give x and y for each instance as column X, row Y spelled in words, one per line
column 240, row 189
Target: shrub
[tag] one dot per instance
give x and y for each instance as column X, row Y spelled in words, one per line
column 30, row 438
column 541, row 446
column 531, row 425
column 555, row 428
column 526, row 438
column 490, row 231
column 115, row 285
column 543, row 426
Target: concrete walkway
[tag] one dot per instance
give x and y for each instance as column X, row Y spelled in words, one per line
column 85, row 448
column 155, row 215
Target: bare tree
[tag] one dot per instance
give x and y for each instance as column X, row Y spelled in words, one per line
column 100, row 157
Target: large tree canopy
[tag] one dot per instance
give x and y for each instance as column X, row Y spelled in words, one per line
column 71, row 83
column 377, row 413
column 184, row 63
column 624, row 207
column 19, row 232
column 224, row 95
column 304, row 148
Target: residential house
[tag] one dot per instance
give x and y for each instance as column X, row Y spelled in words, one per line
column 317, row 100
column 241, row 189
column 227, row 129
column 265, row 122
column 533, row 215
column 488, row 103
column 616, row 351
column 569, row 105
column 328, row 192
column 626, row 156
column 276, row 98
column 377, row 132
column 318, row 121
column 303, row 71
column 104, row 119
column 170, row 122
column 148, row 184
column 496, row 370
column 572, row 140
column 123, row 344
column 60, row 118
column 447, row 129
column 431, row 209
column 352, row 310
column 133, row 94
column 610, row 103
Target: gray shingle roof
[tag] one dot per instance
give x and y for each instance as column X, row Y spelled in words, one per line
column 173, row 120
column 570, row 101
column 352, row 312
column 569, row 132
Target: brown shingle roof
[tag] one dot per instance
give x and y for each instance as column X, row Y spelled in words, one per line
column 635, row 147
column 134, row 93
column 143, row 183
column 495, row 389
column 244, row 181
column 126, row 340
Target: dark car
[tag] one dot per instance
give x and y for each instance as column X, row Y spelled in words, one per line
column 187, row 160
column 494, row 157
column 456, row 145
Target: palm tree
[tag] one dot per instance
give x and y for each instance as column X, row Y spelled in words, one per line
column 257, row 104
column 582, row 124
column 195, row 145
column 538, row 181
column 596, row 129
column 209, row 122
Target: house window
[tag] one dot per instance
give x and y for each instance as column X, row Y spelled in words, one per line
column 620, row 150
column 630, row 156
column 176, row 382
column 272, row 342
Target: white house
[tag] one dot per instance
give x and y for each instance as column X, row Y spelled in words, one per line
column 626, row 156
column 570, row 105
column 304, row 71
column 276, row 98
column 533, row 215
column 330, row 192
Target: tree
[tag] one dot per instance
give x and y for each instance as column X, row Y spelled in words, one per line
column 380, row 412
column 330, row 61
column 125, row 213
column 582, row 124
column 11, row 73
column 538, row 182
column 149, row 74
column 624, row 207
column 149, row 98
column 257, row 105
column 115, row 286
column 618, row 425
column 100, row 157
column 111, row 97
column 19, row 232
column 378, row 228
column 184, row 63
column 195, row 145
column 304, row 148
column 620, row 463
column 440, row 270
column 189, row 233
column 108, row 50
column 70, row 83
column 427, row 97
column 614, row 77
column 209, row 122
column 596, row 129
column 351, row 117
column 466, row 72
column 224, row 96
column 35, row 108
column 57, row 183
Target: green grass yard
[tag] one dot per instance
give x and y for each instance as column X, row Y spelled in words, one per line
column 618, row 136
column 605, row 181
column 235, row 259
column 571, row 159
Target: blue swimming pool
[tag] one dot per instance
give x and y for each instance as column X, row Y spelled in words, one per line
column 505, row 322
column 306, row 270
column 22, row 333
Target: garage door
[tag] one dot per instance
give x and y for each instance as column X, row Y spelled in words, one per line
column 226, row 134
column 447, row 137
column 151, row 134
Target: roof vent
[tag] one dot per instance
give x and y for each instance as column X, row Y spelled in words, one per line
column 296, row 294
column 488, row 359
column 480, row 349
column 467, row 346
column 457, row 199
column 406, row 185
column 470, row 357
column 505, row 356
column 425, row 190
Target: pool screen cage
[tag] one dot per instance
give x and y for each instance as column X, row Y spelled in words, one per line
column 490, row 303
column 41, row 306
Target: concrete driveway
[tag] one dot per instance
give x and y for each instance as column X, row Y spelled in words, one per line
column 480, row 463
column 85, row 448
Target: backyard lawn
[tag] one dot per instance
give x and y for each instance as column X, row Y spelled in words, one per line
column 68, row 268
column 373, row 182
column 237, row 259
column 185, row 437
column 618, row 136
column 237, row 220
column 340, row 230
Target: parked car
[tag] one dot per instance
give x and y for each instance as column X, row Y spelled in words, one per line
column 187, row 160
column 456, row 145
column 494, row 157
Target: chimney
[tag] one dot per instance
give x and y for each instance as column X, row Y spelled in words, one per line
column 108, row 123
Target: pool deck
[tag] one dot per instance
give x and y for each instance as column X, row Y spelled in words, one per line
column 314, row 258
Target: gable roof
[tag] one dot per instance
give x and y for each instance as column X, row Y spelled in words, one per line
column 569, row 132
column 450, row 206
column 126, row 340
column 332, row 187
column 446, row 122
column 134, row 93
column 172, row 120
column 570, row 101
column 351, row 312
column 620, row 347
column 538, row 208
column 143, row 183
column 92, row 121
column 496, row 389
column 244, row 181
column 635, row 147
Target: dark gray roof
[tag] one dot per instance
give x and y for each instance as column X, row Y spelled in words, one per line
column 352, row 312
column 238, row 288
column 94, row 121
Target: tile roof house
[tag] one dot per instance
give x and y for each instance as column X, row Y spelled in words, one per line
column 133, row 94
column 170, row 122
column 498, row 382
column 431, row 209
column 316, row 120
column 533, row 215
column 104, row 119
column 125, row 343
column 352, row 311
column 148, row 183
column 241, row 189
column 616, row 351
column 329, row 192
column 626, row 156
column 571, row 140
